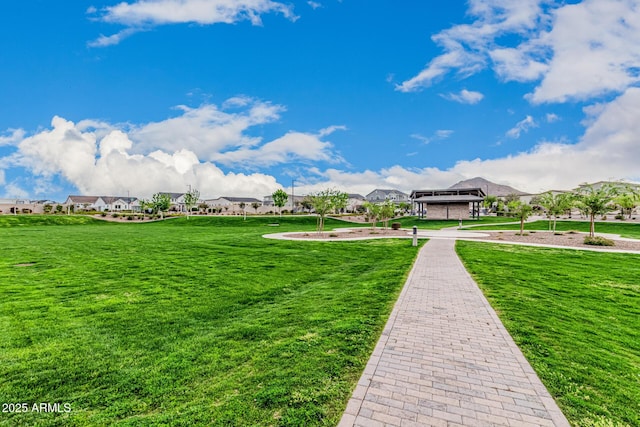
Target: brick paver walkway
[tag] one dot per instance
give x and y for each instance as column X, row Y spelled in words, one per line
column 444, row 358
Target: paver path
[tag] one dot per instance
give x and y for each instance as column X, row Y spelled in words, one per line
column 445, row 359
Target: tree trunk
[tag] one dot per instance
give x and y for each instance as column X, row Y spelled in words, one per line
column 592, row 226
column 521, row 225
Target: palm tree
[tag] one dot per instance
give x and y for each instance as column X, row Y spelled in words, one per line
column 555, row 204
column 521, row 211
column 490, row 201
column 628, row 201
column 593, row 202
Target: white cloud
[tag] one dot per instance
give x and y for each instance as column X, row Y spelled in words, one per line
column 314, row 4
column 101, row 158
column 467, row 48
column 294, row 146
column 576, row 51
column 608, row 150
column 552, row 118
column 438, row 135
column 106, row 166
column 114, row 39
column 465, row 97
column 444, row 133
column 522, row 126
column 14, row 136
column 14, row 191
column 207, row 130
column 149, row 13
column 593, row 51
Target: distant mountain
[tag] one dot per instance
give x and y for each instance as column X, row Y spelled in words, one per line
column 494, row 189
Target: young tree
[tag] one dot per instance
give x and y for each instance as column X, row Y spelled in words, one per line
column 521, row 211
column 144, row 205
column 628, row 201
column 306, row 204
column 404, row 207
column 375, row 212
column 387, row 210
column 340, row 201
column 190, row 200
column 280, row 198
column 555, row 204
column 324, row 202
column 255, row 206
column 490, row 202
column 160, row 203
column 595, row 202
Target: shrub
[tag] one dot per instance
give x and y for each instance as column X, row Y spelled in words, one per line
column 598, row 241
column 395, row 225
column 129, row 218
column 620, row 217
column 103, row 214
column 115, row 215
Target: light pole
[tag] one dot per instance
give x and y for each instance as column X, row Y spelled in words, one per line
column 293, row 197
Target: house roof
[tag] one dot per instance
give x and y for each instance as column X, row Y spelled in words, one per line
column 112, row 199
column 173, row 196
column 387, row 191
column 445, row 199
column 240, row 199
column 356, row 196
column 416, row 194
column 83, row 199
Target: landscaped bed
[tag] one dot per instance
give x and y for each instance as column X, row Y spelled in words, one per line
column 569, row 239
column 195, row 321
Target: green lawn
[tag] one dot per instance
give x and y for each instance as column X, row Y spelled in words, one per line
column 576, row 316
column 188, row 322
column 437, row 224
column 625, row 229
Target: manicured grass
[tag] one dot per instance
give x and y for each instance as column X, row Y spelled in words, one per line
column 188, row 322
column 29, row 220
column 631, row 230
column 576, row 316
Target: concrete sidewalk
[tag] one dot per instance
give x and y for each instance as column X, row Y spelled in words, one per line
column 444, row 358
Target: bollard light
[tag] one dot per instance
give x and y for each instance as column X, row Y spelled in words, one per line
column 415, row 235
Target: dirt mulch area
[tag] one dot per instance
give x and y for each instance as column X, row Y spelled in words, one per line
column 575, row 240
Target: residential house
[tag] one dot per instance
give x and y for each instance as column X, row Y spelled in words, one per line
column 232, row 204
column 292, row 200
column 176, row 201
column 102, row 203
column 12, row 206
column 117, row 204
column 79, row 203
column 354, row 201
column 380, row 195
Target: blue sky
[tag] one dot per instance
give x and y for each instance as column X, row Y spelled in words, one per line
column 240, row 97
